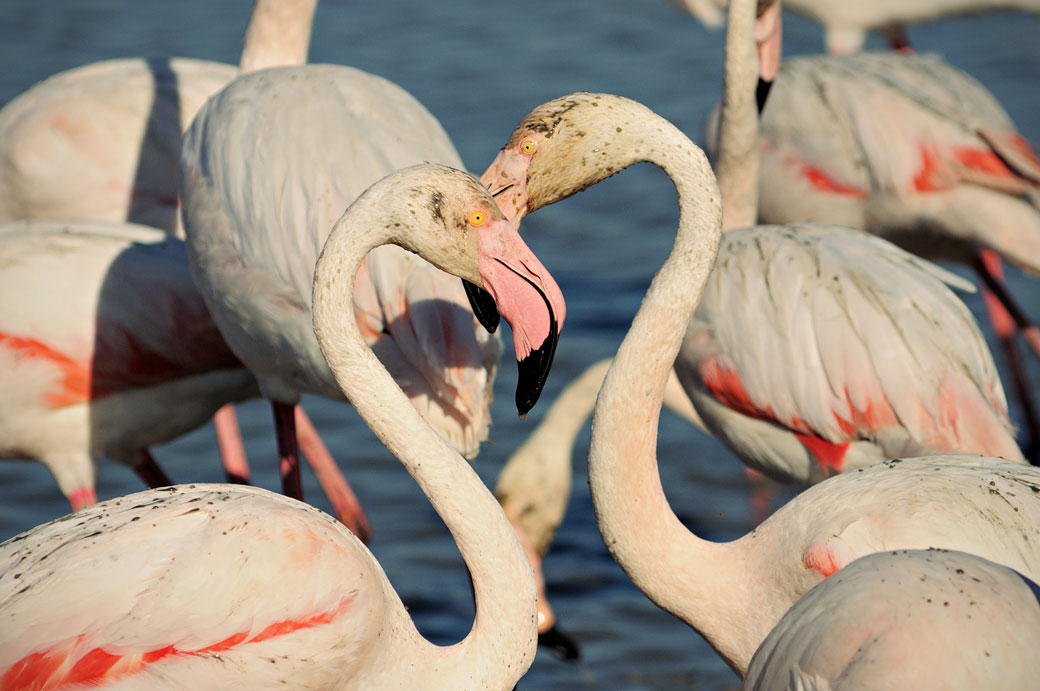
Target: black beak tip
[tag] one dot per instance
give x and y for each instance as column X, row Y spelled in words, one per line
column 761, row 93
column 484, row 308
column 559, row 644
column 533, row 370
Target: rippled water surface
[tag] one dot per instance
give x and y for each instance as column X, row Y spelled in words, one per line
column 479, row 67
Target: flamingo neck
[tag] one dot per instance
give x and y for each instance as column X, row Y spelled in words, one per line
column 279, row 33
column 737, row 160
column 502, row 642
column 692, row 578
column 535, row 484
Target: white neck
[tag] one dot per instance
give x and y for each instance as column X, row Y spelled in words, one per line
column 685, row 575
column 737, row 161
column 279, row 33
column 502, row 642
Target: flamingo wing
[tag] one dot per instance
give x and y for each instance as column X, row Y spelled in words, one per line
column 126, row 575
column 270, row 229
column 123, row 313
column 445, row 361
column 837, row 336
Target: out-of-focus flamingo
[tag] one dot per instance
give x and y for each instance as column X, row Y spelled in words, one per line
column 734, row 593
column 911, row 149
column 267, row 167
column 220, row 586
column 101, row 142
column 106, row 348
column 847, row 22
column 808, row 354
column 907, row 620
column 534, row 486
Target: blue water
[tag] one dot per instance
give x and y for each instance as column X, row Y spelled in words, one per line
column 479, row 67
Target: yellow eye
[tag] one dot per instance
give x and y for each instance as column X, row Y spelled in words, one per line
column 528, row 146
column 477, row 218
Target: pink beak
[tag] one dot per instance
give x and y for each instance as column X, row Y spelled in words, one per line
column 527, row 297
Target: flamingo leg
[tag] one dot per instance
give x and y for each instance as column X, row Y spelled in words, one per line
column 337, row 489
column 232, row 451
column 149, row 471
column 1006, row 315
column 288, row 452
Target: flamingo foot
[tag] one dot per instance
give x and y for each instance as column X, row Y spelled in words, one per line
column 344, row 502
column 559, row 644
column 288, row 452
column 149, row 471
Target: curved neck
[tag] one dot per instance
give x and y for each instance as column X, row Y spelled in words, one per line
column 685, row 575
column 502, row 642
column 279, row 33
column 737, row 161
column 535, row 484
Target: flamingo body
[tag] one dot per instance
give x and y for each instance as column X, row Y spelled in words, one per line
column 257, row 216
column 818, row 349
column 101, row 141
column 909, row 619
column 107, row 347
column 904, row 146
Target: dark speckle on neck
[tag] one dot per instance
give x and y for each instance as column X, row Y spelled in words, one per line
column 436, row 200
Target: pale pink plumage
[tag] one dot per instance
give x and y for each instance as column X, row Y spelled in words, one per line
column 904, row 146
column 100, row 142
column 906, row 619
column 817, row 349
column 107, row 348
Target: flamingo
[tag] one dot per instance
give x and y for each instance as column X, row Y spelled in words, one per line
column 808, row 355
column 101, row 141
column 846, row 22
column 107, row 348
column 208, row 586
column 534, row 486
column 907, row 619
column 257, row 206
column 734, row 593
column 916, row 151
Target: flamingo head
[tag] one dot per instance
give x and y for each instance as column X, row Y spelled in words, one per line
column 471, row 238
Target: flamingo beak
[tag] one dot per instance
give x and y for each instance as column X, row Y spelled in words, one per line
column 506, row 180
column 525, row 294
column 768, row 38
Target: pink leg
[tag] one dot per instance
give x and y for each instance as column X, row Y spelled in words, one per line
column 232, row 451
column 149, row 471
column 288, row 453
column 897, row 38
column 82, row 498
column 549, row 637
column 1006, row 315
column 344, row 501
